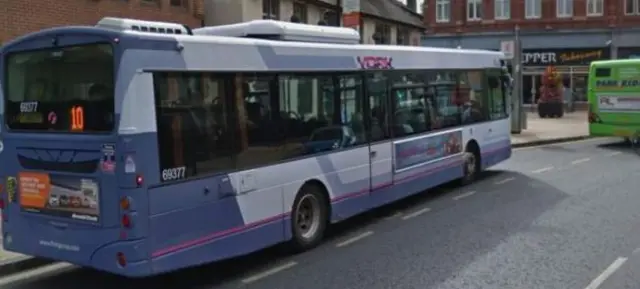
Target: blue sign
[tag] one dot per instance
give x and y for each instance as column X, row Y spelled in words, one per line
column 427, row 149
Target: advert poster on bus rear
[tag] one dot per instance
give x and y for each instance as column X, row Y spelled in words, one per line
column 58, row 195
column 426, row 149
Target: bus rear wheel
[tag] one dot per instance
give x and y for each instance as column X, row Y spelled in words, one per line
column 309, row 218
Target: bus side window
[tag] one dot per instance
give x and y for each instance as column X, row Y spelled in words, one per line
column 496, row 95
column 476, row 109
column 193, row 133
column 411, row 115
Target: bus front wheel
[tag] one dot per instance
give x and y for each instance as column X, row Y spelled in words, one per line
column 309, row 217
column 472, row 164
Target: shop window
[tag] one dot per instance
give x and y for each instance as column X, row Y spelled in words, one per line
column 533, row 9
column 382, row 34
column 474, row 10
column 443, row 11
column 403, row 36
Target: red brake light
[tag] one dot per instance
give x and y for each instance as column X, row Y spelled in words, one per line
column 126, row 221
column 122, row 260
column 1, row 204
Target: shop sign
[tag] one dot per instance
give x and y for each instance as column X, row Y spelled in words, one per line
column 546, row 57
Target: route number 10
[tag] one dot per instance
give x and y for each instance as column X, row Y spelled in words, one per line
column 77, row 118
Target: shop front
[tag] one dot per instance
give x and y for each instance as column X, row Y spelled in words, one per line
column 571, row 63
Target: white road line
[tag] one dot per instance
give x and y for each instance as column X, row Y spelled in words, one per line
column 392, row 216
column 37, row 274
column 462, row 196
column 606, row 273
column 613, row 154
column 269, row 272
column 415, row 214
column 580, row 161
column 542, row 170
column 354, row 239
column 504, row 181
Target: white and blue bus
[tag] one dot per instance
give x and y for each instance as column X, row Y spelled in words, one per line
column 139, row 147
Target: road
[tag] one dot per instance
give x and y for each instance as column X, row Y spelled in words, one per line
column 561, row 216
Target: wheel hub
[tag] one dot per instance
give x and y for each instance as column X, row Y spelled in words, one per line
column 307, row 219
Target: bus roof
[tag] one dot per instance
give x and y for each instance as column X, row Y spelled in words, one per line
column 287, row 31
column 614, row 62
column 200, row 51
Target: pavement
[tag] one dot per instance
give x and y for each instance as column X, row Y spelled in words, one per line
column 572, row 126
column 556, row 216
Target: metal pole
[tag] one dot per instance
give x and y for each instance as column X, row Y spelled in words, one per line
column 517, row 113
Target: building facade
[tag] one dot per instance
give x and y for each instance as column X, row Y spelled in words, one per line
column 380, row 21
column 568, row 34
column 24, row 16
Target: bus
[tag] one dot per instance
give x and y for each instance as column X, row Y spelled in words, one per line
column 614, row 98
column 139, row 148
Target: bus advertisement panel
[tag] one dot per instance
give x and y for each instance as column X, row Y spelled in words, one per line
column 427, row 149
column 59, row 195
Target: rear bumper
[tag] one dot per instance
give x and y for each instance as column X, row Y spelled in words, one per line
column 102, row 259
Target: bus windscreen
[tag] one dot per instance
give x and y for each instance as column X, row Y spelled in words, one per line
column 66, row 89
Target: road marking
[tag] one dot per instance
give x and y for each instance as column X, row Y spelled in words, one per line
column 395, row 215
column 580, row 161
column 38, row 273
column 462, row 196
column 505, row 181
column 542, row 170
column 606, row 273
column 269, row 272
column 354, row 239
column 415, row 214
column 613, row 154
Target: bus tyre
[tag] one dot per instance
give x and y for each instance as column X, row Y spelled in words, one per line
column 309, row 218
column 471, row 166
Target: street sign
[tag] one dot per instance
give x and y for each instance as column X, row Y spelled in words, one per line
column 508, row 48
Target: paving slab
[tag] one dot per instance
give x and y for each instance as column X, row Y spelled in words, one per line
column 573, row 126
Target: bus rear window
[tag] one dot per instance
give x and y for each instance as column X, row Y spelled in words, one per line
column 68, row 89
column 603, row 72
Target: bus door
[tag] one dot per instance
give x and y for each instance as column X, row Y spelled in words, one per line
column 379, row 126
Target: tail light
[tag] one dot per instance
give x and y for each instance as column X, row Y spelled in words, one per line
column 122, row 259
column 126, row 221
column 2, row 204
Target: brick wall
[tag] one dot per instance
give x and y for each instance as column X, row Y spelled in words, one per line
column 24, row 16
column 613, row 17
